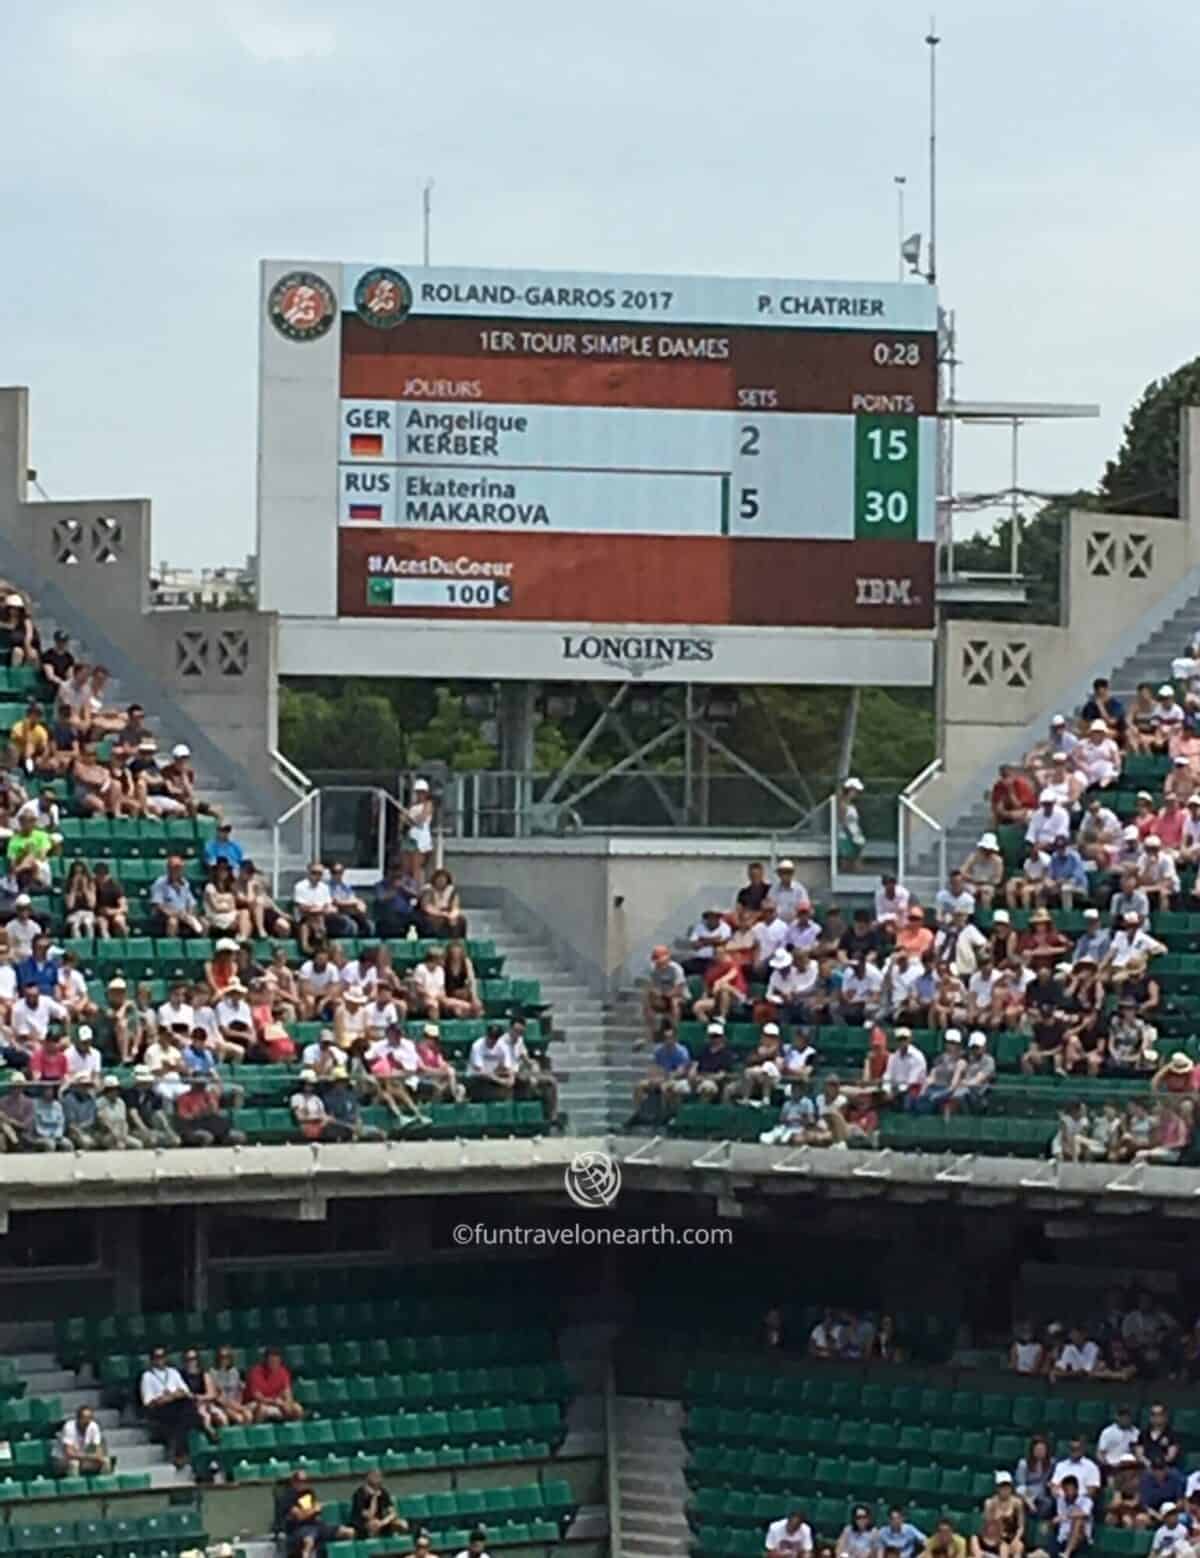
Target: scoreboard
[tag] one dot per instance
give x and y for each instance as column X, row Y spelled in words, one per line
column 528, row 447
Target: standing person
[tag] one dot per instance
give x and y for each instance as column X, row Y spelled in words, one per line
column 168, row 1405
column 418, row 820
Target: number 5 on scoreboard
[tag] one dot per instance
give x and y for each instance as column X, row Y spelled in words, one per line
column 885, row 478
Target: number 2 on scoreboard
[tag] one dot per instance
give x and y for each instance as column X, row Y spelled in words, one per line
column 885, row 478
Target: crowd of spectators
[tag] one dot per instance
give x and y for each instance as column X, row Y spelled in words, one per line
column 1083, row 1001
column 72, row 755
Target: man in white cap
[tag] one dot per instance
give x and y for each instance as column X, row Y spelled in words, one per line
column 22, row 930
column 983, row 870
column 714, row 1068
column 1060, row 738
column 314, row 908
column 943, row 1079
column 1099, row 838
column 1051, row 821
column 112, row 1117
column 770, row 934
column 978, row 1074
column 1093, row 944
column 1130, row 940
column 149, row 1122
column 793, row 984
column 787, row 893
column 1097, row 757
column 955, row 895
column 906, row 1069
column 1181, row 781
column 309, row 1113
column 1169, row 711
column 83, row 1058
column 764, row 1067
column 1157, row 876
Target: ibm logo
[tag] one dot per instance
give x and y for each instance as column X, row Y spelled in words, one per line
column 884, row 592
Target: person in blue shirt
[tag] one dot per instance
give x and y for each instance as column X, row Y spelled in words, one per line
column 39, row 968
column 198, row 1059
column 657, row 1096
column 49, row 1125
column 899, row 1538
column 1102, row 705
column 1067, row 874
column 224, row 847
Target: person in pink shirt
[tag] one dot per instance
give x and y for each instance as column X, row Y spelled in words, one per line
column 1168, row 824
column 49, row 1061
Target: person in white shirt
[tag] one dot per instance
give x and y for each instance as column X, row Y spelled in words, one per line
column 1078, row 1356
column 900, row 976
column 1130, row 941
column 906, row 1068
column 382, row 1013
column 1051, row 821
column 491, row 1069
column 176, row 1014
column 793, row 978
column 955, row 896
column 803, row 933
column 1189, row 844
column 960, row 943
column 788, row 894
column 891, row 902
column 319, row 978
column 1169, row 710
column 1118, row 1440
column 1156, row 873
column 770, row 934
column 862, row 992
column 1079, row 1465
column 22, row 930
column 80, row 1451
column 1063, row 782
column 1026, row 1355
column 395, row 1065
column 1099, row 834
column 1173, row 1539
column 323, row 1055
column 169, row 1405
column 83, row 1058
column 33, row 1015
column 1097, row 758
column 705, row 936
column 789, row 1537
column 313, row 902
column 476, row 1546
column 429, row 982
column 825, row 1338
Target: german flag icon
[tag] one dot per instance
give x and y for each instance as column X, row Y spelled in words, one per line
column 366, row 444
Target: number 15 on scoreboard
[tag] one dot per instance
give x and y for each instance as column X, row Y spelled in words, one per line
column 885, row 478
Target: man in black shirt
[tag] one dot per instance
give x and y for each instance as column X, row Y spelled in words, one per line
column 58, row 662
column 860, row 938
column 756, row 890
column 372, row 1512
column 299, row 1514
column 1045, row 1000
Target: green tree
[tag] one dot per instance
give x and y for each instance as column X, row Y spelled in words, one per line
column 1144, row 477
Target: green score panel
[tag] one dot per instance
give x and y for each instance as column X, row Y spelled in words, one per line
column 885, row 478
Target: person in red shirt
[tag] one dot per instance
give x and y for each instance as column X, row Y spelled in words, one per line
column 268, row 1389
column 914, row 936
column 49, row 1061
column 1013, row 797
column 1168, row 824
column 725, row 987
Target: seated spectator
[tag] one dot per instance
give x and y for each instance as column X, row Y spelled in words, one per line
column 342, row 1108
column 58, row 661
column 1013, row 797
column 665, row 991
column 224, row 847
column 79, row 1450
column 1124, row 1506
column 79, row 900
column 1034, row 1472
column 373, row 1512
column 254, row 901
column 1156, row 873
column 906, row 1069
column 112, row 910
column 983, row 870
column 792, row 985
column 396, row 903
column 149, row 1119
column 1160, row 1487
column 714, row 1069
column 1152, row 1334
column 534, row 1077
column 461, row 990
column 318, row 982
column 1071, row 1531
column 78, row 1100
column 491, row 1068
column 725, row 988
column 898, row 1537
column 787, row 893
column 1005, row 1512
column 429, row 983
column 202, row 1386
column 1173, row 1537
column 306, row 1534
column 112, row 1131
column 797, row 1124
column 1078, row 1357
column 942, row 1080
column 395, row 1070
column 1078, row 1467
column 789, row 1537
column 439, row 911
column 230, row 1388
column 222, row 916
column 199, row 1120
column 1026, row 1354
column 1066, row 875
column 39, row 971
column 269, row 1391
column 1119, row 1440
column 658, row 1094
column 705, row 936
column 312, row 900
column 168, row 1405
column 310, row 1114
column 914, row 936
column 28, row 854
column 173, row 904
column 351, row 909
column 22, row 930
column 859, row 1539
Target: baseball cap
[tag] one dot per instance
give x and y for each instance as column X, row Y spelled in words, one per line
column 1130, row 917
column 431, row 1030
column 420, row 784
column 84, row 1035
column 1098, row 724
column 1091, row 914
column 1001, row 917
column 1130, row 832
column 1058, row 720
column 117, row 983
column 853, row 784
column 978, row 1039
column 226, row 944
column 1167, row 690
column 1168, row 1508
column 1152, row 841
column 904, row 1033
column 953, row 1036
column 181, row 749
column 781, row 958
column 111, row 1081
column 1181, row 761
column 988, row 841
column 1002, row 1477
column 771, row 1029
column 715, row 1027
column 22, row 901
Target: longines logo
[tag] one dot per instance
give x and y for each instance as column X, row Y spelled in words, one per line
column 885, row 592
column 637, row 655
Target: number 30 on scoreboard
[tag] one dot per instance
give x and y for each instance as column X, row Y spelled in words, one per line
column 885, row 478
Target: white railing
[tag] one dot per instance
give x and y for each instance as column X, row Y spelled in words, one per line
column 304, row 817
column 289, row 776
column 911, row 816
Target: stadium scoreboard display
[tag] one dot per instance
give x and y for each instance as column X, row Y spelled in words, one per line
column 493, row 448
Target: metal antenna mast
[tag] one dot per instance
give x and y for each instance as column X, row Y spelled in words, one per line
column 932, row 40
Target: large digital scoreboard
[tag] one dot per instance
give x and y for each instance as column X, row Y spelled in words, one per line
column 498, row 447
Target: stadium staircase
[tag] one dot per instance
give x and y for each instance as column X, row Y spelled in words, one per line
column 650, row 1480
column 1150, row 661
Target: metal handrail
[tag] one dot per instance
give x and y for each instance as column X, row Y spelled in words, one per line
column 930, row 771
column 291, row 777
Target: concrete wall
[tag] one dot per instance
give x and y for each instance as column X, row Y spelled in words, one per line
column 212, row 676
column 602, row 902
column 1122, row 575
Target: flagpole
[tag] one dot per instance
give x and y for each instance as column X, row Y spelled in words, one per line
column 932, row 39
column 899, row 180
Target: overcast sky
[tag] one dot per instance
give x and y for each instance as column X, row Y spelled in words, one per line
column 151, row 153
